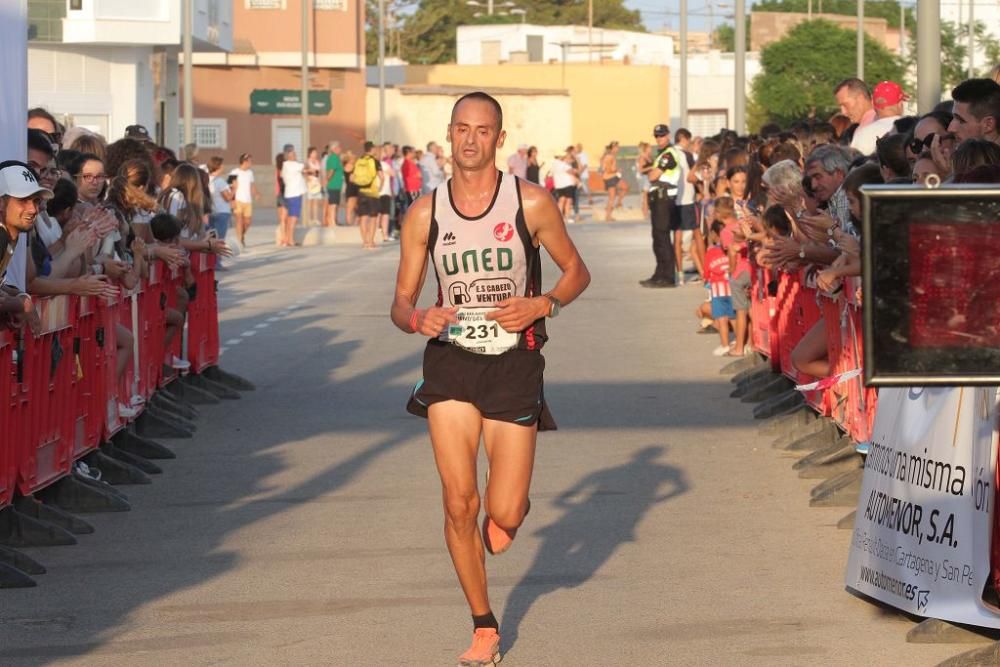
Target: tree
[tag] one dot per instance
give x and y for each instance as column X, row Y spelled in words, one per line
column 799, row 71
column 394, row 9
column 724, row 37
column 428, row 33
column 880, row 9
column 955, row 52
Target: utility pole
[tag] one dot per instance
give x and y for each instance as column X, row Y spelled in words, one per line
column 381, row 71
column 684, row 63
column 740, row 99
column 928, row 54
column 810, row 10
column 861, row 40
column 303, row 153
column 972, row 39
column 590, row 31
column 902, row 32
column 188, row 78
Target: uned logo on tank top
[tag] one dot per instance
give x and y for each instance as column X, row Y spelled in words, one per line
column 503, row 232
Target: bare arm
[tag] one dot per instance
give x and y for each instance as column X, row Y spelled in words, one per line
column 546, row 225
column 412, row 273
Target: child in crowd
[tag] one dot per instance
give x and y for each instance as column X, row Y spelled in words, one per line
column 720, row 308
column 166, row 229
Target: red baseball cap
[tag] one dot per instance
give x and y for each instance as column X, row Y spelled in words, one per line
column 887, row 94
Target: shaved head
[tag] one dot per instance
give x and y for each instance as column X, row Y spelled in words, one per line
column 481, row 97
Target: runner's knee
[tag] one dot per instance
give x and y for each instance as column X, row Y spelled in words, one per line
column 461, row 509
column 508, row 515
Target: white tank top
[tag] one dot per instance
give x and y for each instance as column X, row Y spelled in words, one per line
column 482, row 260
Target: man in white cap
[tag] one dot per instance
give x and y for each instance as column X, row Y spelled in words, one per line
column 21, row 198
column 517, row 163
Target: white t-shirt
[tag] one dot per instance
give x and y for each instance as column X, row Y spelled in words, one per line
column 217, row 186
column 685, row 194
column 584, row 161
column 561, row 175
column 388, row 184
column 244, row 179
column 865, row 136
column 295, row 182
column 48, row 228
column 175, row 203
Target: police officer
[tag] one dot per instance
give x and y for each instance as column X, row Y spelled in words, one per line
column 664, row 179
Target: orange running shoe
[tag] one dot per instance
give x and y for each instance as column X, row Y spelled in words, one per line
column 485, row 649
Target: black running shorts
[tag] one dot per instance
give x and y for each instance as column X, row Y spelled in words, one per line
column 504, row 387
column 367, row 206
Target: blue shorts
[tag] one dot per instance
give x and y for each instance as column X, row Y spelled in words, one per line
column 722, row 306
column 294, row 206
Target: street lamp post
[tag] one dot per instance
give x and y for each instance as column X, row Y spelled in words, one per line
column 381, row 71
column 489, row 6
column 739, row 120
column 304, row 93
column 972, row 43
column 684, row 62
column 188, row 78
column 861, row 40
column 590, row 31
column 928, row 54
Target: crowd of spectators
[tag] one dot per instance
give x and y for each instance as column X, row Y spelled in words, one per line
column 789, row 199
column 84, row 216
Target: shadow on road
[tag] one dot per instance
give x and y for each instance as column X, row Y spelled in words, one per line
column 602, row 511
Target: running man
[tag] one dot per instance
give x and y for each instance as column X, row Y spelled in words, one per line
column 482, row 230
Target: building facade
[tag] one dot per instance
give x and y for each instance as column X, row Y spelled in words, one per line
column 711, row 90
column 525, row 43
column 606, row 102
column 247, row 101
column 106, row 64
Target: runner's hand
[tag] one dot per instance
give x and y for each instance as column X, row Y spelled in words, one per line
column 434, row 320
column 518, row 313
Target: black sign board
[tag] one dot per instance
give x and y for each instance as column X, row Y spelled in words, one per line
column 931, row 285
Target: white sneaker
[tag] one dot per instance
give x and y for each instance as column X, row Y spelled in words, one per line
column 721, row 351
column 127, row 412
column 179, row 364
column 86, row 471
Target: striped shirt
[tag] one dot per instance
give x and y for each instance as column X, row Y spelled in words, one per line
column 717, row 264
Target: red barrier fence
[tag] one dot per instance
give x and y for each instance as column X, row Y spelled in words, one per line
column 780, row 322
column 59, row 389
column 8, row 433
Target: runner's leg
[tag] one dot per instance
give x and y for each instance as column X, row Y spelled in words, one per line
column 510, row 449
column 455, row 428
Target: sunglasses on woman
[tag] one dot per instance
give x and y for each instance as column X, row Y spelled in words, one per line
column 917, row 146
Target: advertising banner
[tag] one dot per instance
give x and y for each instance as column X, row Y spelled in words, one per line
column 922, row 533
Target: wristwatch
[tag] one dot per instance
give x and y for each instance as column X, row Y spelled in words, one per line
column 556, row 305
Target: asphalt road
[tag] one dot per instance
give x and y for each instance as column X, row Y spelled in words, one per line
column 302, row 525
